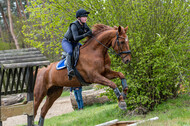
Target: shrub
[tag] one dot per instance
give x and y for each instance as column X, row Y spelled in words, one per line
column 159, row 38
column 4, row 46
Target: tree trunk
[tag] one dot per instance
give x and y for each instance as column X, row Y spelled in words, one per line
column 9, row 100
column 18, row 9
column 1, row 34
column 90, row 97
column 22, row 9
column 27, row 2
column 4, row 18
column 11, row 24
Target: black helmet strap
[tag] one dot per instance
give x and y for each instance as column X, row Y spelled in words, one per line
column 79, row 20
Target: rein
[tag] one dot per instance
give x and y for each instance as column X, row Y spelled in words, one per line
column 113, row 52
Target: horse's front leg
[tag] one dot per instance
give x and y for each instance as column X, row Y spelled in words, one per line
column 97, row 78
column 110, row 74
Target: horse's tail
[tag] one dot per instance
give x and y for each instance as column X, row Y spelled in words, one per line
column 42, row 77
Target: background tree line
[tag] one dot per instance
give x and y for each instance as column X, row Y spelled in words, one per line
column 158, row 34
column 12, row 17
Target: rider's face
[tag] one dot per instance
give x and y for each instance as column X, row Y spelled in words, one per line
column 83, row 19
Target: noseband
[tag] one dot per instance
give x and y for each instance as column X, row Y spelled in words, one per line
column 118, row 44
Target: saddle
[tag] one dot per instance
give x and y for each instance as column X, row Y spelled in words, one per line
column 63, row 64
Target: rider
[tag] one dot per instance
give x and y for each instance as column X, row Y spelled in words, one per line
column 76, row 31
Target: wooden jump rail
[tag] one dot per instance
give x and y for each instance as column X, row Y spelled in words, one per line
column 16, row 76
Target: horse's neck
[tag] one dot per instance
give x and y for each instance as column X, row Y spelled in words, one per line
column 105, row 39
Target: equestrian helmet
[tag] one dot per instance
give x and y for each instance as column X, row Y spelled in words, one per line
column 82, row 13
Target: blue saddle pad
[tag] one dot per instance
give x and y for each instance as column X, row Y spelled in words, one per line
column 61, row 64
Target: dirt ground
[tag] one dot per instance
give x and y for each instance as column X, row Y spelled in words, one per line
column 61, row 105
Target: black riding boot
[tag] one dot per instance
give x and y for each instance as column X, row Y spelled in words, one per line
column 69, row 67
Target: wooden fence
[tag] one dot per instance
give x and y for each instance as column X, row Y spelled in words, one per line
column 18, row 70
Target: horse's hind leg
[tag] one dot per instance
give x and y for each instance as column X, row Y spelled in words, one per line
column 38, row 97
column 52, row 94
column 39, row 93
column 39, row 90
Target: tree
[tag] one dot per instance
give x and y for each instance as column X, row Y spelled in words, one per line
column 22, row 9
column 18, row 9
column 11, row 25
column 4, row 18
column 18, row 19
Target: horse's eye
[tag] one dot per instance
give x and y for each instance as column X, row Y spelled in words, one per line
column 122, row 42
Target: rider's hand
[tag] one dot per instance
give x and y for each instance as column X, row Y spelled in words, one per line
column 89, row 33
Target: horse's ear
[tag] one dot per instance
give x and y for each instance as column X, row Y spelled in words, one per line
column 126, row 29
column 119, row 29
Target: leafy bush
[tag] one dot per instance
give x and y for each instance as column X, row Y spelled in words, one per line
column 160, row 56
column 158, row 34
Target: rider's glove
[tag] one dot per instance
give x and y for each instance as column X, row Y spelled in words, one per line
column 89, row 33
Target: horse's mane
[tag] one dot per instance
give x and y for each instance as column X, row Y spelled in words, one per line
column 97, row 29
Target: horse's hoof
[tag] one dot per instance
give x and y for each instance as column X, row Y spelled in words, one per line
column 122, row 105
column 41, row 121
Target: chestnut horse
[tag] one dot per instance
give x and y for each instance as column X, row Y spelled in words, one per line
column 93, row 65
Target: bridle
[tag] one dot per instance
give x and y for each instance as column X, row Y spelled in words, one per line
column 119, row 46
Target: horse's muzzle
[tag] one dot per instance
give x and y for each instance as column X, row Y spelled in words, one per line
column 126, row 60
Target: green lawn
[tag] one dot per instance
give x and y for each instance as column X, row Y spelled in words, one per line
column 174, row 112
column 65, row 93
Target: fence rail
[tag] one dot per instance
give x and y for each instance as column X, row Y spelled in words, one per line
column 18, row 71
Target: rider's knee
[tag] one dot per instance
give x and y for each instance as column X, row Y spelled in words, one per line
column 70, row 53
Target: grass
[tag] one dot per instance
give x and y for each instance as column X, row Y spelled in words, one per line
column 65, row 93
column 174, row 112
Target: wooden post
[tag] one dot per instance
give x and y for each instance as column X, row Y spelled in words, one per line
column 30, row 95
column 0, row 111
column 1, row 84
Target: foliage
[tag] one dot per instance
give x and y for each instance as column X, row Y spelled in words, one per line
column 158, row 34
column 4, row 46
column 160, row 41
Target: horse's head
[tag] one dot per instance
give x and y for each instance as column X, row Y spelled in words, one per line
column 120, row 44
